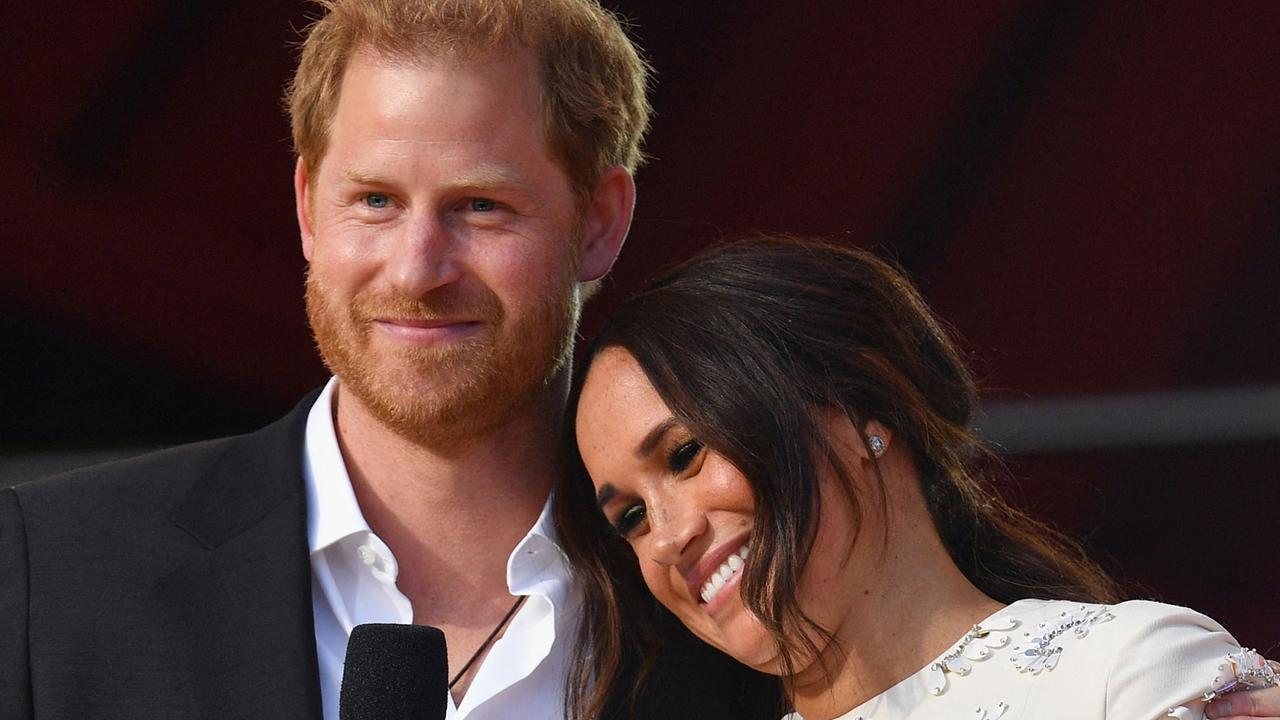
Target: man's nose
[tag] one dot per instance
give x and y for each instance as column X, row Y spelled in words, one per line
column 675, row 525
column 423, row 258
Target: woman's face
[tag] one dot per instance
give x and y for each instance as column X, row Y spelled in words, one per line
column 687, row 512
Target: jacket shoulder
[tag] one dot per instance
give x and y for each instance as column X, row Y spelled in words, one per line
column 145, row 472
column 150, row 486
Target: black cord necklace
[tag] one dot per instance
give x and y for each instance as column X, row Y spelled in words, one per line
column 476, row 655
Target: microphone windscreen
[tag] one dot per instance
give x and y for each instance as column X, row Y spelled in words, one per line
column 394, row 672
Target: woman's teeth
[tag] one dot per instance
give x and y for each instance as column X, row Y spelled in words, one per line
column 722, row 574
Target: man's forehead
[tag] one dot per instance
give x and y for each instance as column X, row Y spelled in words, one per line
column 514, row 73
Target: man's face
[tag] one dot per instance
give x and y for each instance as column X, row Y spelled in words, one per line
column 443, row 243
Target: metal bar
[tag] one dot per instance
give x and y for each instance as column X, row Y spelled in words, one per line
column 1189, row 417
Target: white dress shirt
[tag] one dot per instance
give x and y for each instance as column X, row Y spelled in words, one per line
column 353, row 581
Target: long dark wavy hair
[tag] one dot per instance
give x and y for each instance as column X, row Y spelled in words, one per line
column 745, row 343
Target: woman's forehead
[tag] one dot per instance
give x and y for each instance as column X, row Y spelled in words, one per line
column 614, row 376
column 618, row 404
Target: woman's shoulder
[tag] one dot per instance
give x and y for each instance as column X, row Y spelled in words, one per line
column 1057, row 659
column 1130, row 638
column 1156, row 657
column 1129, row 623
column 1109, row 626
column 1128, row 613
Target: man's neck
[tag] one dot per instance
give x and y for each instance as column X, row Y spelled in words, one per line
column 453, row 515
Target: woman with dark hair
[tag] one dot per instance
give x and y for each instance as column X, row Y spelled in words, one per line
column 772, row 441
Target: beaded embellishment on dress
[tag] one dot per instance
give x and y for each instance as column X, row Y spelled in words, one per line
column 1243, row 670
column 1039, row 653
column 976, row 645
column 1032, row 685
column 992, row 713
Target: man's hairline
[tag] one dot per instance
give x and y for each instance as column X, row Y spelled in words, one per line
column 424, row 58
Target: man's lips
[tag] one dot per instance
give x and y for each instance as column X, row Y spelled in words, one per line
column 426, row 332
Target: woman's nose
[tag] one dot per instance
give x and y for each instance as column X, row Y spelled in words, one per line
column 675, row 526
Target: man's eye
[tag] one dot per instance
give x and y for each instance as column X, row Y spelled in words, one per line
column 629, row 520
column 377, row 201
column 483, row 205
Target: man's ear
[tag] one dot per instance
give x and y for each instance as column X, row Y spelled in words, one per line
column 302, row 205
column 606, row 223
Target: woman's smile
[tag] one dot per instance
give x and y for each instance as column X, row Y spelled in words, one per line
column 724, row 576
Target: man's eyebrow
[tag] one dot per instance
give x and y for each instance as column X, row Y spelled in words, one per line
column 478, row 178
column 362, row 177
column 487, row 177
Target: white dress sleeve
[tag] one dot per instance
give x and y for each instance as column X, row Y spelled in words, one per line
column 1172, row 659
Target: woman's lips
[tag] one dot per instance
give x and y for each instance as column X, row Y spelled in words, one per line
column 715, row 577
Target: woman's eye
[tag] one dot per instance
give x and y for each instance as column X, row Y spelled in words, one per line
column 483, row 205
column 629, row 520
column 377, row 201
column 683, row 456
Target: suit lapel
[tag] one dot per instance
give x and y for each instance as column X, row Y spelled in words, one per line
column 240, row 608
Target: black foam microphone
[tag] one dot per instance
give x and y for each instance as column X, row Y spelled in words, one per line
column 394, row 672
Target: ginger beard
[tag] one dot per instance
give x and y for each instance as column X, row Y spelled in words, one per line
column 442, row 395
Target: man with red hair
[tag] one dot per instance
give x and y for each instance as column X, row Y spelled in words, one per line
column 464, row 176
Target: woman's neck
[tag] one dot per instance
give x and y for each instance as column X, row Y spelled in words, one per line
column 914, row 604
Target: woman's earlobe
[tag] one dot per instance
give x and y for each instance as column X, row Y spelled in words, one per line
column 878, row 438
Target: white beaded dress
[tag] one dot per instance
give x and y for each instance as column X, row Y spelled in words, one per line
column 1061, row 660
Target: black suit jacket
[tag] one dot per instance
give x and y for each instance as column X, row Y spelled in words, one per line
column 174, row 585
column 178, row 585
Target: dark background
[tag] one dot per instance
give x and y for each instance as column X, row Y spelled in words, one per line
column 1087, row 191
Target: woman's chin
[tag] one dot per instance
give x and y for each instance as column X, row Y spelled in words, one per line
column 737, row 633
column 761, row 656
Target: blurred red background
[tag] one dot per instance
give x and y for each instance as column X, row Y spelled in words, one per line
column 1087, row 191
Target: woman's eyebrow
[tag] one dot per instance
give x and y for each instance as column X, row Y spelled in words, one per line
column 607, row 493
column 651, row 439
column 654, row 436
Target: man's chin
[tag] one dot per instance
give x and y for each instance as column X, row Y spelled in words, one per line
column 450, row 394
column 415, row 404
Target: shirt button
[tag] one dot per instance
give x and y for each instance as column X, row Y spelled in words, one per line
column 379, row 560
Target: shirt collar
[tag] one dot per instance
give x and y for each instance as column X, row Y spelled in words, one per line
column 332, row 510
column 537, row 565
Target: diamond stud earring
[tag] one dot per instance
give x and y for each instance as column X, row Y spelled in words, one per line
column 877, row 445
